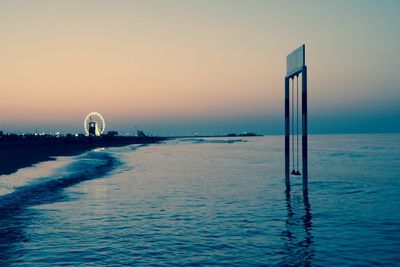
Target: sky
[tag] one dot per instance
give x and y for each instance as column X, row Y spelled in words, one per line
column 184, row 67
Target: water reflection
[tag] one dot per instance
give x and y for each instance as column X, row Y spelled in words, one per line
column 299, row 249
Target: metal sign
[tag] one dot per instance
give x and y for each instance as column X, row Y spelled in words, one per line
column 295, row 60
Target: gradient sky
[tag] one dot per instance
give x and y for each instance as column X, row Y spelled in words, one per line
column 197, row 66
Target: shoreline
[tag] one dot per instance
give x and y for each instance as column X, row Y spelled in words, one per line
column 18, row 153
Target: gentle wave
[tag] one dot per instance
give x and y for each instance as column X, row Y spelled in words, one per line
column 91, row 165
column 212, row 141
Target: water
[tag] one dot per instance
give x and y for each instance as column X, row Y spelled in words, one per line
column 207, row 202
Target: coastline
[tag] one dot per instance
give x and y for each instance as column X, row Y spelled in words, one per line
column 20, row 153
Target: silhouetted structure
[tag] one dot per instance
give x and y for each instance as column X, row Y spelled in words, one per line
column 141, row 134
column 296, row 67
column 92, row 128
column 112, row 133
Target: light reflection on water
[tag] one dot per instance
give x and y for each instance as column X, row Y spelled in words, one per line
column 200, row 203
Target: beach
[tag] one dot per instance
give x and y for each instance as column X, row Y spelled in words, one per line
column 18, row 152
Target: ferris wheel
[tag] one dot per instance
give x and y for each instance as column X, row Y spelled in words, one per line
column 94, row 124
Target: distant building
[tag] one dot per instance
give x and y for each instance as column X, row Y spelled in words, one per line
column 141, row 134
column 112, row 133
column 247, row 134
column 92, row 128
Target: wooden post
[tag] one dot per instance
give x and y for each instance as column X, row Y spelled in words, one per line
column 304, row 132
column 287, row 136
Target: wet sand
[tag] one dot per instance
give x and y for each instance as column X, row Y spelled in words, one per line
column 21, row 153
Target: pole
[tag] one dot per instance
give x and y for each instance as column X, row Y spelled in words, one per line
column 287, row 132
column 304, row 131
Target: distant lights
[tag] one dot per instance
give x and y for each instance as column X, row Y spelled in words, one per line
column 99, row 119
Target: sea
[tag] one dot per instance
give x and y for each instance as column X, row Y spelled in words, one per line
column 207, row 201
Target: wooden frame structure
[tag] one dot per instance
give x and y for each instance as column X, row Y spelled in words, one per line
column 296, row 67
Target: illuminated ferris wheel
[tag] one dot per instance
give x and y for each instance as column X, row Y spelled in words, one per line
column 94, row 124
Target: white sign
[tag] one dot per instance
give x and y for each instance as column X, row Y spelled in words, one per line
column 295, row 60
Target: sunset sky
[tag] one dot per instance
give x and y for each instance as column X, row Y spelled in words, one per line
column 197, row 66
